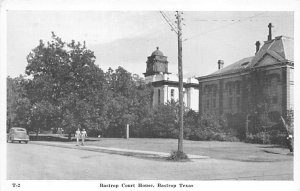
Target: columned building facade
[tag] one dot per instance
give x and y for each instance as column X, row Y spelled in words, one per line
column 166, row 84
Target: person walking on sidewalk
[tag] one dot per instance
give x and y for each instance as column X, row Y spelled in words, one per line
column 83, row 136
column 289, row 136
column 77, row 136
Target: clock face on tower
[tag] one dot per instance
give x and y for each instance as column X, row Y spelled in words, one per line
column 160, row 67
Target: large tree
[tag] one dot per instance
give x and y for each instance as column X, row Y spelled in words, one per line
column 18, row 104
column 66, row 86
column 129, row 98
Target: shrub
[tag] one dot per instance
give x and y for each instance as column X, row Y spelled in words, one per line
column 278, row 137
column 236, row 125
column 210, row 135
column 178, row 156
column 212, row 128
column 259, row 138
column 225, row 137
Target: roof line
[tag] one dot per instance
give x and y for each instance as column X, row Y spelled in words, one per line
column 244, row 71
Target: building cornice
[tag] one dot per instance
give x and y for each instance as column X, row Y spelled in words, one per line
column 244, row 72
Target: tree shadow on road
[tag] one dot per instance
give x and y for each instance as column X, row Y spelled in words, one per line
column 273, row 152
column 273, row 147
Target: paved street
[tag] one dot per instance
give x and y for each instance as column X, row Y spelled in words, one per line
column 31, row 161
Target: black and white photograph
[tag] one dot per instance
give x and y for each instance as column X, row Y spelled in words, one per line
column 148, row 99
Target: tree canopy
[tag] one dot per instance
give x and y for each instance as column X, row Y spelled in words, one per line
column 65, row 89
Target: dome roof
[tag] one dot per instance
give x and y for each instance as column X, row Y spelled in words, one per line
column 157, row 52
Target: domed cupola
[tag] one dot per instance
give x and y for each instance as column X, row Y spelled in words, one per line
column 157, row 52
column 156, row 63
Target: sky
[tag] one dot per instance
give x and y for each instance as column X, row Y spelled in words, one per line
column 127, row 38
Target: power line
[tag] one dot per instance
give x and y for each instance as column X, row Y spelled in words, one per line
column 223, row 26
column 235, row 18
column 223, row 20
column 169, row 16
column 170, row 23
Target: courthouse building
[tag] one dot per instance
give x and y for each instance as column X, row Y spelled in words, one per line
column 227, row 90
column 166, row 84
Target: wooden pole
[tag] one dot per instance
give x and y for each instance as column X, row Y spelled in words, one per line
column 180, row 73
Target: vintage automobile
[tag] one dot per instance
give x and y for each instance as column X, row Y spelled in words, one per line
column 17, row 134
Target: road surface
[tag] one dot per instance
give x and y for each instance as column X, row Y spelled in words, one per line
column 38, row 162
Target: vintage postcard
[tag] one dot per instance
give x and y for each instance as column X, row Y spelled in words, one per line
column 149, row 96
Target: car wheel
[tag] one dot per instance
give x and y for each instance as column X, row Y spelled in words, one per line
column 26, row 142
column 20, row 141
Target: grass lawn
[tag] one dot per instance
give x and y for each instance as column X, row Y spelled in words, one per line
column 219, row 150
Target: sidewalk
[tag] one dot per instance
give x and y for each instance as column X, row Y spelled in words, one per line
column 127, row 152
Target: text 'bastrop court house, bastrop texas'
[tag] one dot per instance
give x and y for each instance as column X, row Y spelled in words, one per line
column 266, row 77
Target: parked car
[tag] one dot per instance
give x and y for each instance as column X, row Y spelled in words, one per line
column 17, row 134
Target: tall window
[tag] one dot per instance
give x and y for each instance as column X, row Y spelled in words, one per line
column 209, row 91
column 274, row 100
column 158, row 97
column 214, row 103
column 238, row 103
column 230, row 103
column 215, row 91
column 273, row 91
column 238, row 89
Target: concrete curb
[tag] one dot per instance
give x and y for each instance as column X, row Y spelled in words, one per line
column 111, row 150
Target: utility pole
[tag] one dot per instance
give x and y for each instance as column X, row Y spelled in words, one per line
column 178, row 30
column 179, row 34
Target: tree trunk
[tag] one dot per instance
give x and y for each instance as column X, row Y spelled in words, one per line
column 37, row 131
column 70, row 136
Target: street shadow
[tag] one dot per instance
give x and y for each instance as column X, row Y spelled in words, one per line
column 158, row 158
column 152, row 157
column 56, row 138
column 90, row 156
column 273, row 146
column 272, row 152
column 149, row 157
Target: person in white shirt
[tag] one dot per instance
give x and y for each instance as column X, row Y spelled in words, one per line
column 83, row 136
column 77, row 136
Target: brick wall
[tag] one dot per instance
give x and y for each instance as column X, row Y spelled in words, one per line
column 233, row 93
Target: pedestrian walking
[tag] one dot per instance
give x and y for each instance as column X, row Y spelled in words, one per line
column 289, row 136
column 83, row 136
column 77, row 136
column 289, row 141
